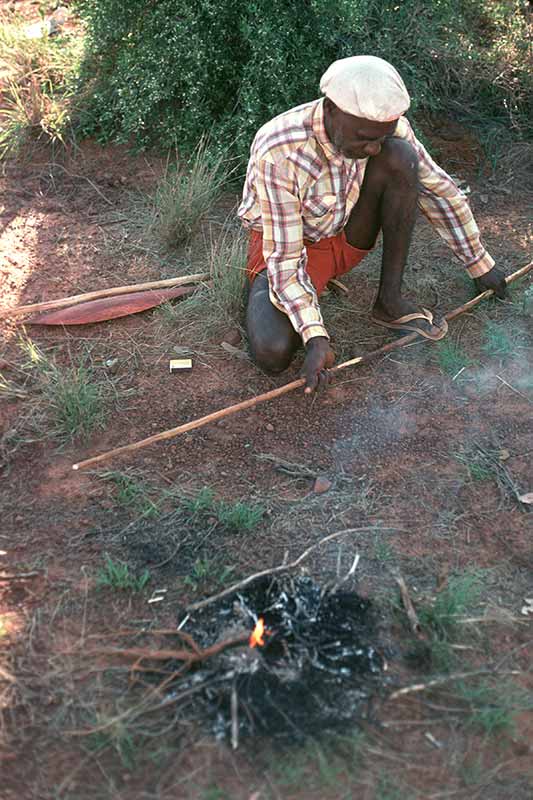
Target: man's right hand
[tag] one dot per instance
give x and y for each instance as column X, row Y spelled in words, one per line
column 319, row 358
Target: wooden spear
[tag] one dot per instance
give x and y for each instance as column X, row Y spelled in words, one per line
column 287, row 387
column 111, row 292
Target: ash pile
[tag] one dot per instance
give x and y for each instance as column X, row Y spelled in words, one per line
column 312, row 661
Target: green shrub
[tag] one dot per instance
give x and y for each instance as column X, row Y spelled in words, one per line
column 168, row 72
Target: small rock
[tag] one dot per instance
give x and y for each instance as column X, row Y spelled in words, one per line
column 504, row 455
column 111, row 365
column 234, row 351
column 269, row 426
column 526, row 498
column 484, row 198
column 322, row 485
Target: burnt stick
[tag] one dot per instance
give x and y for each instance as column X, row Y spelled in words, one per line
column 288, row 387
column 192, row 656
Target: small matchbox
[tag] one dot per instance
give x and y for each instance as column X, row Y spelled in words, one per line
column 179, row 364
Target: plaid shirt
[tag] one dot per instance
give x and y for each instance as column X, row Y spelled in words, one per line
column 298, row 186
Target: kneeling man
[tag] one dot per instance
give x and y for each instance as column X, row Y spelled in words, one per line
column 323, row 180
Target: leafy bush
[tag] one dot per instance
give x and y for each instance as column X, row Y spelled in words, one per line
column 168, row 72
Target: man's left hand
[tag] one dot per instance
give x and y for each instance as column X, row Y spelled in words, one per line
column 495, row 280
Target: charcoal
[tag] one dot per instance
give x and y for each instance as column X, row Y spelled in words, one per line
column 318, row 669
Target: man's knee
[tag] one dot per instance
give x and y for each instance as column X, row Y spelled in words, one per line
column 397, row 159
column 272, row 356
column 396, row 165
column 271, row 337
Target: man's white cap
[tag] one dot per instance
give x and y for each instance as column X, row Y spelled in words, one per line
column 367, row 87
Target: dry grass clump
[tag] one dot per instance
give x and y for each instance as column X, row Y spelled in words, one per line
column 36, row 85
column 221, row 302
column 186, row 194
column 515, row 166
column 57, row 403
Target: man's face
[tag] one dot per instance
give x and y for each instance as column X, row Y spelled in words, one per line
column 353, row 136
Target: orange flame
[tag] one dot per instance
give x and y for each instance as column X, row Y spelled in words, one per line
column 256, row 637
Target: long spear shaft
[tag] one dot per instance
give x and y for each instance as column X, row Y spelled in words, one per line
column 287, row 387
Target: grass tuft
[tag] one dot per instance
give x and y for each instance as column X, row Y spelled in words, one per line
column 185, row 195
column 38, row 75
column 492, row 708
column 208, row 572
column 58, row 403
column 227, row 265
column 440, row 621
column 461, row 593
column 117, row 575
column 221, row 303
column 479, row 467
column 235, row 517
column 132, row 493
column 75, row 403
column 116, row 737
column 451, row 358
column 497, row 341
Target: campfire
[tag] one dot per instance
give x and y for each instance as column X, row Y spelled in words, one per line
column 283, row 659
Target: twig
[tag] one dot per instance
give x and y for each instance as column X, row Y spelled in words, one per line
column 516, row 391
column 288, row 387
column 442, row 679
column 89, row 181
column 20, row 576
column 288, row 467
column 234, row 717
column 348, row 575
column 142, row 708
column 503, row 472
column 279, row 568
column 188, row 656
column 412, row 616
column 170, row 557
column 7, row 676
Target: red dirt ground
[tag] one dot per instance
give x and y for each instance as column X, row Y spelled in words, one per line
column 392, row 438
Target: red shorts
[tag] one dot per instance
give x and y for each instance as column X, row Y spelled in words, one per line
column 326, row 259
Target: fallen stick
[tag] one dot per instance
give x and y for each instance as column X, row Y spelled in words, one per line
column 20, row 576
column 443, row 679
column 111, row 292
column 412, row 616
column 188, row 656
column 288, row 387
